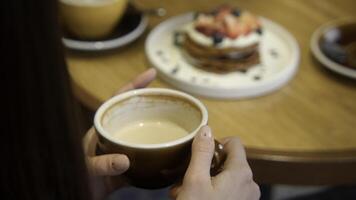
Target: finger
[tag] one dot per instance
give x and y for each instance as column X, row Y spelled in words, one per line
column 174, row 191
column 202, row 154
column 89, row 142
column 224, row 140
column 108, row 165
column 236, row 155
column 235, row 166
column 140, row 81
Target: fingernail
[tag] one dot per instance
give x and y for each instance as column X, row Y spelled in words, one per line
column 120, row 163
column 205, row 132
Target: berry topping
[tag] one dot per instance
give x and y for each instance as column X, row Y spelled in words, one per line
column 227, row 22
column 259, row 31
column 214, row 12
column 217, row 38
column 230, row 25
column 221, row 15
column 236, row 12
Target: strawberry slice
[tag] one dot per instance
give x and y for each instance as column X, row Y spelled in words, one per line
column 219, row 27
column 204, row 24
column 231, row 27
column 208, row 31
column 222, row 14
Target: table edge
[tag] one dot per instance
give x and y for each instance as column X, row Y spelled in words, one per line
column 322, row 167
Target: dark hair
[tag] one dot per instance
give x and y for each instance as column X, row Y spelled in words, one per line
column 41, row 152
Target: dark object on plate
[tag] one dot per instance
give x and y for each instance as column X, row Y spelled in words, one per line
column 236, row 12
column 339, row 44
column 178, row 38
column 217, row 38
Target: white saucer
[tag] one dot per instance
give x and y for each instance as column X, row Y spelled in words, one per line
column 322, row 58
column 128, row 30
column 279, row 61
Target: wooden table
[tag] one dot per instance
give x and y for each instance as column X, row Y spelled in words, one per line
column 304, row 133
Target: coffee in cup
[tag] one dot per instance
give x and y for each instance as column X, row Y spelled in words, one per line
column 155, row 129
column 91, row 19
column 150, row 131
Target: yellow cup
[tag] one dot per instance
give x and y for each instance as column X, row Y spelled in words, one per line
column 91, row 19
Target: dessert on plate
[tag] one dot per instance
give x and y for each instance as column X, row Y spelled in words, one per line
column 223, row 40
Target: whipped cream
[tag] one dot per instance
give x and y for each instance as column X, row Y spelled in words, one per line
column 239, row 42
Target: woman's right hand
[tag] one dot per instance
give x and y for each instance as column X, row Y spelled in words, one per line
column 234, row 182
column 104, row 169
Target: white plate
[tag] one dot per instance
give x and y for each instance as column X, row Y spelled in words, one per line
column 323, row 59
column 124, row 34
column 279, row 53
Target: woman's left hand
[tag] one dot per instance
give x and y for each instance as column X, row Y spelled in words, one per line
column 103, row 168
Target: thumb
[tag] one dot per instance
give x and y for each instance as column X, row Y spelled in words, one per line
column 108, row 165
column 202, row 154
column 141, row 81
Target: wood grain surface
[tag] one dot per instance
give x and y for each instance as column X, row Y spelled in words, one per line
column 310, row 122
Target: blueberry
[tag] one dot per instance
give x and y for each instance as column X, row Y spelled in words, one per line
column 259, row 31
column 178, row 38
column 214, row 12
column 217, row 38
column 236, row 12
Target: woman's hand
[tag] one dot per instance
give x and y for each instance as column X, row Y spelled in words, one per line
column 234, row 182
column 141, row 81
column 104, row 167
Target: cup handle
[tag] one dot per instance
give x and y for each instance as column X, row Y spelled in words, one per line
column 218, row 159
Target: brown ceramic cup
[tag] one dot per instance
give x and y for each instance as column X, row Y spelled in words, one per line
column 91, row 19
column 153, row 165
